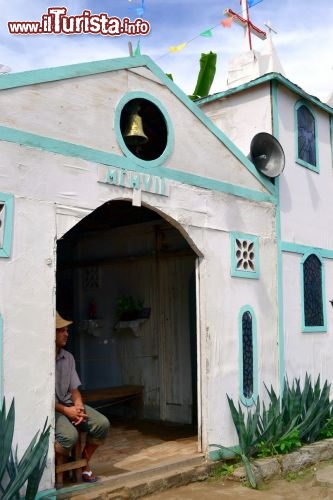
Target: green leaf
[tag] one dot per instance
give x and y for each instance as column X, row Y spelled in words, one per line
column 206, row 74
column 249, row 471
column 6, row 434
column 33, row 458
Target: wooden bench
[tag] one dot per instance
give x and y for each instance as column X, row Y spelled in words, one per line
column 109, row 396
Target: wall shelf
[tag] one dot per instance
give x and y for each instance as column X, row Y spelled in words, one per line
column 133, row 325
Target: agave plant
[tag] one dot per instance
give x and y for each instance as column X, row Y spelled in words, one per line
column 300, row 414
column 14, row 473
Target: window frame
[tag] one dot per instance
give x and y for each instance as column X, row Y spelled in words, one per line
column 248, row 401
column 241, row 273
column 318, row 328
column 146, row 164
column 300, row 161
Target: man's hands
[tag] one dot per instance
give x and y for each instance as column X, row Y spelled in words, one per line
column 76, row 414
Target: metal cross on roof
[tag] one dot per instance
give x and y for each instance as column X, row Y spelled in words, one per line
column 246, row 23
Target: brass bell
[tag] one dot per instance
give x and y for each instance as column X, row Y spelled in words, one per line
column 135, row 135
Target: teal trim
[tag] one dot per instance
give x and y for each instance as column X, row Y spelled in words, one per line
column 1, row 361
column 84, row 69
column 241, row 260
column 8, row 201
column 269, row 77
column 170, row 139
column 248, row 401
column 320, row 328
column 303, row 249
column 215, row 185
column 225, row 452
column 53, row 494
column 110, row 159
column 279, row 266
column 300, row 161
column 37, row 76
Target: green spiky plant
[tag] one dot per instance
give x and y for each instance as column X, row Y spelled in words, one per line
column 14, row 473
column 297, row 418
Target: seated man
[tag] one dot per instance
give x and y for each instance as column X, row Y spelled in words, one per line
column 70, row 413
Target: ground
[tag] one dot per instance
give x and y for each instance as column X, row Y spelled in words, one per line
column 303, row 485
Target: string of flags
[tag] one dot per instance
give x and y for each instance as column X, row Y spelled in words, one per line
column 226, row 23
column 139, row 10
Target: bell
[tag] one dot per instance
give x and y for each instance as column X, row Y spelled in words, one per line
column 135, row 135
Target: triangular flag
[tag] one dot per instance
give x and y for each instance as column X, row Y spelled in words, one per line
column 226, row 23
column 177, row 48
column 251, row 3
column 137, row 51
column 207, row 33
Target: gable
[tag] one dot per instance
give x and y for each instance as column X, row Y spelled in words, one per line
column 78, row 112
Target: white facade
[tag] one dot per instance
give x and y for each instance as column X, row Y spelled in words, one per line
column 62, row 158
column 304, row 216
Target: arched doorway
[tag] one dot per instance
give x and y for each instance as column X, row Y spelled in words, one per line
column 117, row 254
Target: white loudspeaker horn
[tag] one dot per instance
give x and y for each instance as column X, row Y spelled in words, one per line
column 267, row 155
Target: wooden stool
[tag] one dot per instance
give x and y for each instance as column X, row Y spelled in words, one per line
column 74, row 464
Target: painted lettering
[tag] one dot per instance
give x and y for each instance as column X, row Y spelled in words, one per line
column 146, row 179
column 134, row 180
column 113, row 177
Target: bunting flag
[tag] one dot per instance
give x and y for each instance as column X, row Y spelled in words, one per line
column 251, row 3
column 226, row 23
column 207, row 33
column 177, row 48
column 138, row 10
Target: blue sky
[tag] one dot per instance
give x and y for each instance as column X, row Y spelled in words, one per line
column 304, row 39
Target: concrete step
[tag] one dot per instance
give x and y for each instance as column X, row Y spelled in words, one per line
column 136, row 484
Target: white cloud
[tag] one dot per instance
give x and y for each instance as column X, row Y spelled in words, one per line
column 303, row 43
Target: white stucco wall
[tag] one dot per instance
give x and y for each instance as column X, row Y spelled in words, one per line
column 305, row 195
column 306, row 216
column 54, row 191
column 82, row 111
column 242, row 115
column 306, row 219
column 27, row 302
column 44, row 185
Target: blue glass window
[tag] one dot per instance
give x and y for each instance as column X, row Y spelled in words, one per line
column 247, row 341
column 313, row 291
column 306, row 129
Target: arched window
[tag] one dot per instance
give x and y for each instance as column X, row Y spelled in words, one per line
column 313, row 307
column 248, row 356
column 306, row 137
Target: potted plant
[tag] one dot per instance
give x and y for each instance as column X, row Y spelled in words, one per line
column 128, row 308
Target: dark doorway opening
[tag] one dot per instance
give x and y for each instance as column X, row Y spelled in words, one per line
column 124, row 251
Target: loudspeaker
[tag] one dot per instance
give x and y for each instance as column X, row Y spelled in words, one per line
column 267, row 155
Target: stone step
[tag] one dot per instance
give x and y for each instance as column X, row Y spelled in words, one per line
column 135, row 484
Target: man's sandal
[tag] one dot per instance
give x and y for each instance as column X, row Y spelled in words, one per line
column 88, row 477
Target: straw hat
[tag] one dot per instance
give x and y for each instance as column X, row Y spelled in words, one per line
column 61, row 322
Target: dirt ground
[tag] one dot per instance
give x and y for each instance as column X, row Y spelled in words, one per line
column 296, row 486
